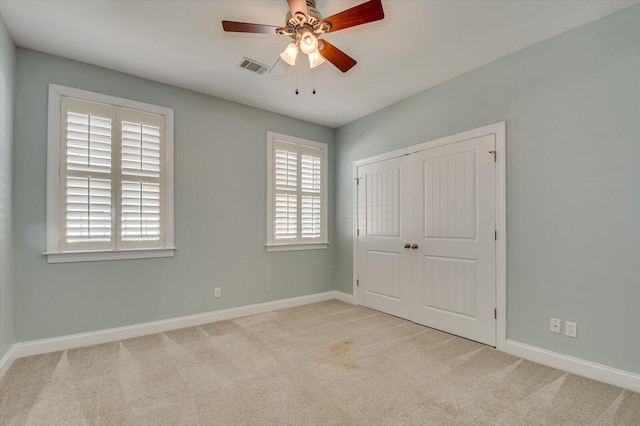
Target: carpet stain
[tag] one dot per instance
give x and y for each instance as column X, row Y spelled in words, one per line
column 339, row 349
column 336, row 355
column 349, row 365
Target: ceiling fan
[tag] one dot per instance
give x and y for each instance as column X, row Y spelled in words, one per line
column 304, row 24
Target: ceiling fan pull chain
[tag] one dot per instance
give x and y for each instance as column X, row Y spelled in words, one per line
column 313, row 72
column 297, row 92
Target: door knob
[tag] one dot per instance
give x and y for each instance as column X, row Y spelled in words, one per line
column 407, row 245
column 414, row 246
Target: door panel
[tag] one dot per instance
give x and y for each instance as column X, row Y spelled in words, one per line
column 450, row 285
column 449, row 196
column 384, row 223
column 384, row 274
column 382, row 189
column 454, row 224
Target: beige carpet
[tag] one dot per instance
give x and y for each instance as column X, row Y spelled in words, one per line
column 326, row 363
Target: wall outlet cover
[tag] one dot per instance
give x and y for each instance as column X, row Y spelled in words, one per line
column 571, row 329
column 555, row 325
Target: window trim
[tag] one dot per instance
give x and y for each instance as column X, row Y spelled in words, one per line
column 53, row 252
column 271, row 245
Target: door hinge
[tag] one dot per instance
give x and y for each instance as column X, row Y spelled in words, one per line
column 495, row 314
column 357, row 283
column 495, row 235
column 494, row 155
column 358, row 233
column 357, row 181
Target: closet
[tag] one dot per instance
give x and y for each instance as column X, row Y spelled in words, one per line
column 426, row 236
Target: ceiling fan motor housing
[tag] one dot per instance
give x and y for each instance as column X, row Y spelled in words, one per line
column 312, row 13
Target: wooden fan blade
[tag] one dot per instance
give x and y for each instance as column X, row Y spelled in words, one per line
column 358, row 15
column 337, row 57
column 298, row 6
column 245, row 27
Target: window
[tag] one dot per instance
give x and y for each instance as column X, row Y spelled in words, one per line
column 296, row 193
column 109, row 178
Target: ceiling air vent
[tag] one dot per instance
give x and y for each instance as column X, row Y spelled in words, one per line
column 257, row 67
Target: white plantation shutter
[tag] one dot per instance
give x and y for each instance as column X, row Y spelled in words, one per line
column 311, row 213
column 89, row 140
column 87, row 199
column 141, row 187
column 286, row 199
column 297, row 191
column 140, row 211
column 88, row 210
column 111, row 177
column 286, row 223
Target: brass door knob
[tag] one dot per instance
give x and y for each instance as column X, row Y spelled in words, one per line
column 414, row 246
column 407, row 245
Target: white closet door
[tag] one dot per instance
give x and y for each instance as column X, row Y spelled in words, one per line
column 384, row 224
column 454, row 225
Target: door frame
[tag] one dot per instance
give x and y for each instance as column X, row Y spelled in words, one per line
column 499, row 130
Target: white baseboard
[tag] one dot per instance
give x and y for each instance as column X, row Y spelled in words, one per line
column 344, row 297
column 603, row 373
column 7, row 360
column 36, row 347
column 580, row 367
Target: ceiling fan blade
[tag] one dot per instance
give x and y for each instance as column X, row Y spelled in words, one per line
column 298, row 6
column 337, row 57
column 245, row 27
column 358, row 15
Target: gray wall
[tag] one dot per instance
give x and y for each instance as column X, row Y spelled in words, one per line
column 572, row 107
column 220, row 197
column 7, row 65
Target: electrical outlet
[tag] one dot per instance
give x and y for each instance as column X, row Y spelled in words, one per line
column 216, row 292
column 571, row 329
column 555, row 325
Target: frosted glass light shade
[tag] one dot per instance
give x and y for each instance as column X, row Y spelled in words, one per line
column 315, row 59
column 289, row 54
column 308, row 43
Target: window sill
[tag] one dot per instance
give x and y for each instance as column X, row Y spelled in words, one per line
column 294, row 247
column 99, row 255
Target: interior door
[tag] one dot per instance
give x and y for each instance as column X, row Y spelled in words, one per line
column 384, row 226
column 454, row 226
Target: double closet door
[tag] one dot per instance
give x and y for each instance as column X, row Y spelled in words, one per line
column 426, row 237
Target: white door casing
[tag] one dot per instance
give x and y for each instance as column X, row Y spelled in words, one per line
column 457, row 272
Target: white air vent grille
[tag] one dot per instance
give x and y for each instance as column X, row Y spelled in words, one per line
column 257, row 67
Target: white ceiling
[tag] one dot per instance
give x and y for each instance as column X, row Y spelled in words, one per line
column 419, row 44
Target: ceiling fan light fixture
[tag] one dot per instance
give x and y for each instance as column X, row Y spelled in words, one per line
column 308, row 42
column 289, row 54
column 315, row 59
column 304, row 24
